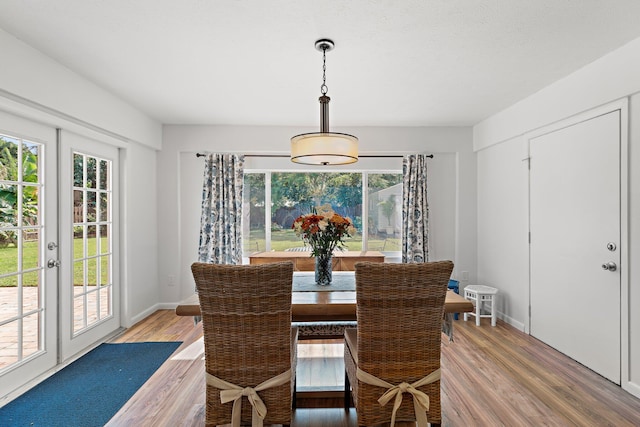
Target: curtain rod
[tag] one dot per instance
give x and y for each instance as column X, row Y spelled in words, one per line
column 283, row 155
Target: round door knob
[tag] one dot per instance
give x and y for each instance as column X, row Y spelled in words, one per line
column 611, row 266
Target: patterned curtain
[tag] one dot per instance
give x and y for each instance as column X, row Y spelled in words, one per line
column 415, row 209
column 221, row 221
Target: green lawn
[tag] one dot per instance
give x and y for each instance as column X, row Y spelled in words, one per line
column 280, row 240
column 283, row 239
column 9, row 262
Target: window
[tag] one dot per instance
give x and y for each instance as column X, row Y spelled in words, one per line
column 385, row 212
column 278, row 198
column 253, row 211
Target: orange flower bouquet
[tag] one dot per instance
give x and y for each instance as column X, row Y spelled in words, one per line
column 323, row 230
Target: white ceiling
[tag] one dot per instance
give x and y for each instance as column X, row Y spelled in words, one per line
column 253, row 62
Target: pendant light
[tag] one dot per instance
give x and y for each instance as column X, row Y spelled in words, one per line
column 324, row 148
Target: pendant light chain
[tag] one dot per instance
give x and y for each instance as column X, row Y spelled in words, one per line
column 324, row 89
column 324, row 148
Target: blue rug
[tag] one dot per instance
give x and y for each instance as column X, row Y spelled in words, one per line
column 89, row 391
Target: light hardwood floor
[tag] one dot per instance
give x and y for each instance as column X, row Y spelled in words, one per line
column 491, row 376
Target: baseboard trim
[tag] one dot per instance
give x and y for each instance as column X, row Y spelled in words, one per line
column 513, row 322
column 149, row 311
column 632, row 388
column 143, row 315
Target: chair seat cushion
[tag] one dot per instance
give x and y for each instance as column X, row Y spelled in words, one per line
column 351, row 340
column 325, row 330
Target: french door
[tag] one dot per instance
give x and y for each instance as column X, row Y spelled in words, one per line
column 59, row 271
column 28, row 239
column 89, row 278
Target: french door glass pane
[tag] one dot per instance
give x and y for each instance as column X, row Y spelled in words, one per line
column 30, row 248
column 105, row 269
column 78, row 277
column 91, row 273
column 10, row 342
column 92, row 254
column 9, row 255
column 104, row 174
column 93, row 306
column 30, row 282
column 21, row 272
column 10, row 157
column 105, row 302
column 90, row 163
column 92, row 245
column 78, row 172
column 10, row 300
column 30, row 164
column 79, row 315
column 9, row 208
column 103, row 203
column 105, row 248
column 31, row 334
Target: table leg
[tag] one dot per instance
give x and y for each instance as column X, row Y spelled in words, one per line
column 447, row 325
column 493, row 310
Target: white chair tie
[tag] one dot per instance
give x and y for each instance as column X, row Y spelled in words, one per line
column 231, row 392
column 420, row 399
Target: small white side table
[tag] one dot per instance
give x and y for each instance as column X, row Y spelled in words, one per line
column 481, row 294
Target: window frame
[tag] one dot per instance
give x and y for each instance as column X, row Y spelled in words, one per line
column 365, row 201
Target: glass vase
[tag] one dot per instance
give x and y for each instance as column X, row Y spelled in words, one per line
column 323, row 270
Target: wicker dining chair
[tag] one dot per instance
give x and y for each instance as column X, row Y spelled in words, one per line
column 248, row 339
column 397, row 341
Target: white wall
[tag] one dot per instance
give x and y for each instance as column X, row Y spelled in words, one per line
column 633, row 371
column 441, row 195
column 140, row 231
column 35, row 87
column 452, row 186
column 502, row 185
column 611, row 77
column 30, row 78
column 503, row 259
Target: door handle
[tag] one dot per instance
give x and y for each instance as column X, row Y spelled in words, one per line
column 610, row 266
column 53, row 263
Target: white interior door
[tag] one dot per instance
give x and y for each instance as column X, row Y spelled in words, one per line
column 575, row 229
column 89, row 272
column 28, row 238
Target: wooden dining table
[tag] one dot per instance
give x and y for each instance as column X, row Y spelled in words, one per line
column 319, row 306
column 334, row 305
